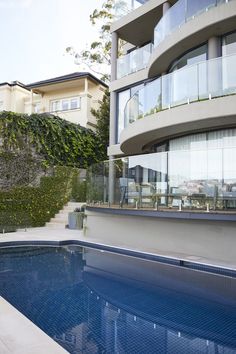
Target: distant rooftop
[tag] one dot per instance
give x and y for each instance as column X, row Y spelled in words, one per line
column 68, row 77
column 58, row 79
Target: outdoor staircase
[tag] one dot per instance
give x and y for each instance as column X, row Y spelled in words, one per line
column 60, row 220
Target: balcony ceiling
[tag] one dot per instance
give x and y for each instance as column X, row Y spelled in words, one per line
column 131, row 27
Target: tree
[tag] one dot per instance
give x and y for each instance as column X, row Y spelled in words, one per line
column 98, row 56
column 98, row 59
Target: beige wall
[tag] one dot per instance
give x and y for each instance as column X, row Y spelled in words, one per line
column 206, row 240
column 91, row 98
column 13, row 98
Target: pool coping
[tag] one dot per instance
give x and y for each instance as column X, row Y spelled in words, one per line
column 179, row 261
column 20, row 335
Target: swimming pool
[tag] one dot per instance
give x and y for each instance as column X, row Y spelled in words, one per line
column 91, row 301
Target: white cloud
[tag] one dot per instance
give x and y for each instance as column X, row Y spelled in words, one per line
column 11, row 4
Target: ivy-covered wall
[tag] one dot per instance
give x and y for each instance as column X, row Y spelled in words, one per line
column 56, row 140
column 32, row 189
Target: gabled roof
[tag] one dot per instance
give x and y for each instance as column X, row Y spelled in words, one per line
column 64, row 78
column 14, row 83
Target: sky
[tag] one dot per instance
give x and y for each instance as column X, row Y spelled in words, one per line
column 35, row 33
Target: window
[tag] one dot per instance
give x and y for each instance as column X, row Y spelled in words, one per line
column 65, row 104
column 55, row 106
column 229, row 44
column 36, row 107
column 74, row 103
column 194, row 56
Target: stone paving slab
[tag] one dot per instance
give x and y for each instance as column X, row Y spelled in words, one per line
column 18, row 335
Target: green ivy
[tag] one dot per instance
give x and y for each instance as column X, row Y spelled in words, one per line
column 58, row 141
column 51, row 141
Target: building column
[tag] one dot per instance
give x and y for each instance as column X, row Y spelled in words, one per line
column 214, row 48
column 113, row 109
column 31, row 101
column 165, row 7
column 86, row 85
column 114, row 55
column 214, row 67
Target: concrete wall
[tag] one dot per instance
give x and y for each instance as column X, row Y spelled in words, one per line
column 214, row 240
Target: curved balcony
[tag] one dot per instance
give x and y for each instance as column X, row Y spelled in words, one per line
column 201, row 179
column 180, row 13
column 203, row 81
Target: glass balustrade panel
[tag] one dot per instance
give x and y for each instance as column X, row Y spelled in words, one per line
column 184, row 85
column 215, row 77
column 194, row 8
column 152, row 97
column 123, row 66
column 123, row 7
column 135, row 107
column 193, row 178
column 202, row 81
column 173, row 19
column 133, row 61
column 166, row 91
column 229, row 75
column 179, row 13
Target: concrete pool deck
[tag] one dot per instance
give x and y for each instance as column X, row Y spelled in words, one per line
column 17, row 333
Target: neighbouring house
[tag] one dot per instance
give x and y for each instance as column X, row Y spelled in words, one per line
column 172, row 168
column 70, row 97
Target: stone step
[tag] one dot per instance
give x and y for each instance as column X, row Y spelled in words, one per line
column 61, row 215
column 61, row 218
column 55, row 225
column 59, row 221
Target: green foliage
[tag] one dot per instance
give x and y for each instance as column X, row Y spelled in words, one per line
column 102, row 116
column 33, row 206
column 98, row 56
column 55, row 140
column 79, row 189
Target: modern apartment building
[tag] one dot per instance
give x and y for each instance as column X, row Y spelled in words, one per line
column 172, row 128
column 71, row 97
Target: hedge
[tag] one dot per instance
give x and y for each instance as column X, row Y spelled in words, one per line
column 34, row 206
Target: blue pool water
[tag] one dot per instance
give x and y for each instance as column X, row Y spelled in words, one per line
column 91, row 301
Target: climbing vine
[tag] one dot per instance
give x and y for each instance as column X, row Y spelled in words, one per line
column 56, row 140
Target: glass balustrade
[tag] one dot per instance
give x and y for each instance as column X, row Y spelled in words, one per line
column 196, row 179
column 181, row 12
column 133, row 61
column 205, row 80
column 123, row 7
